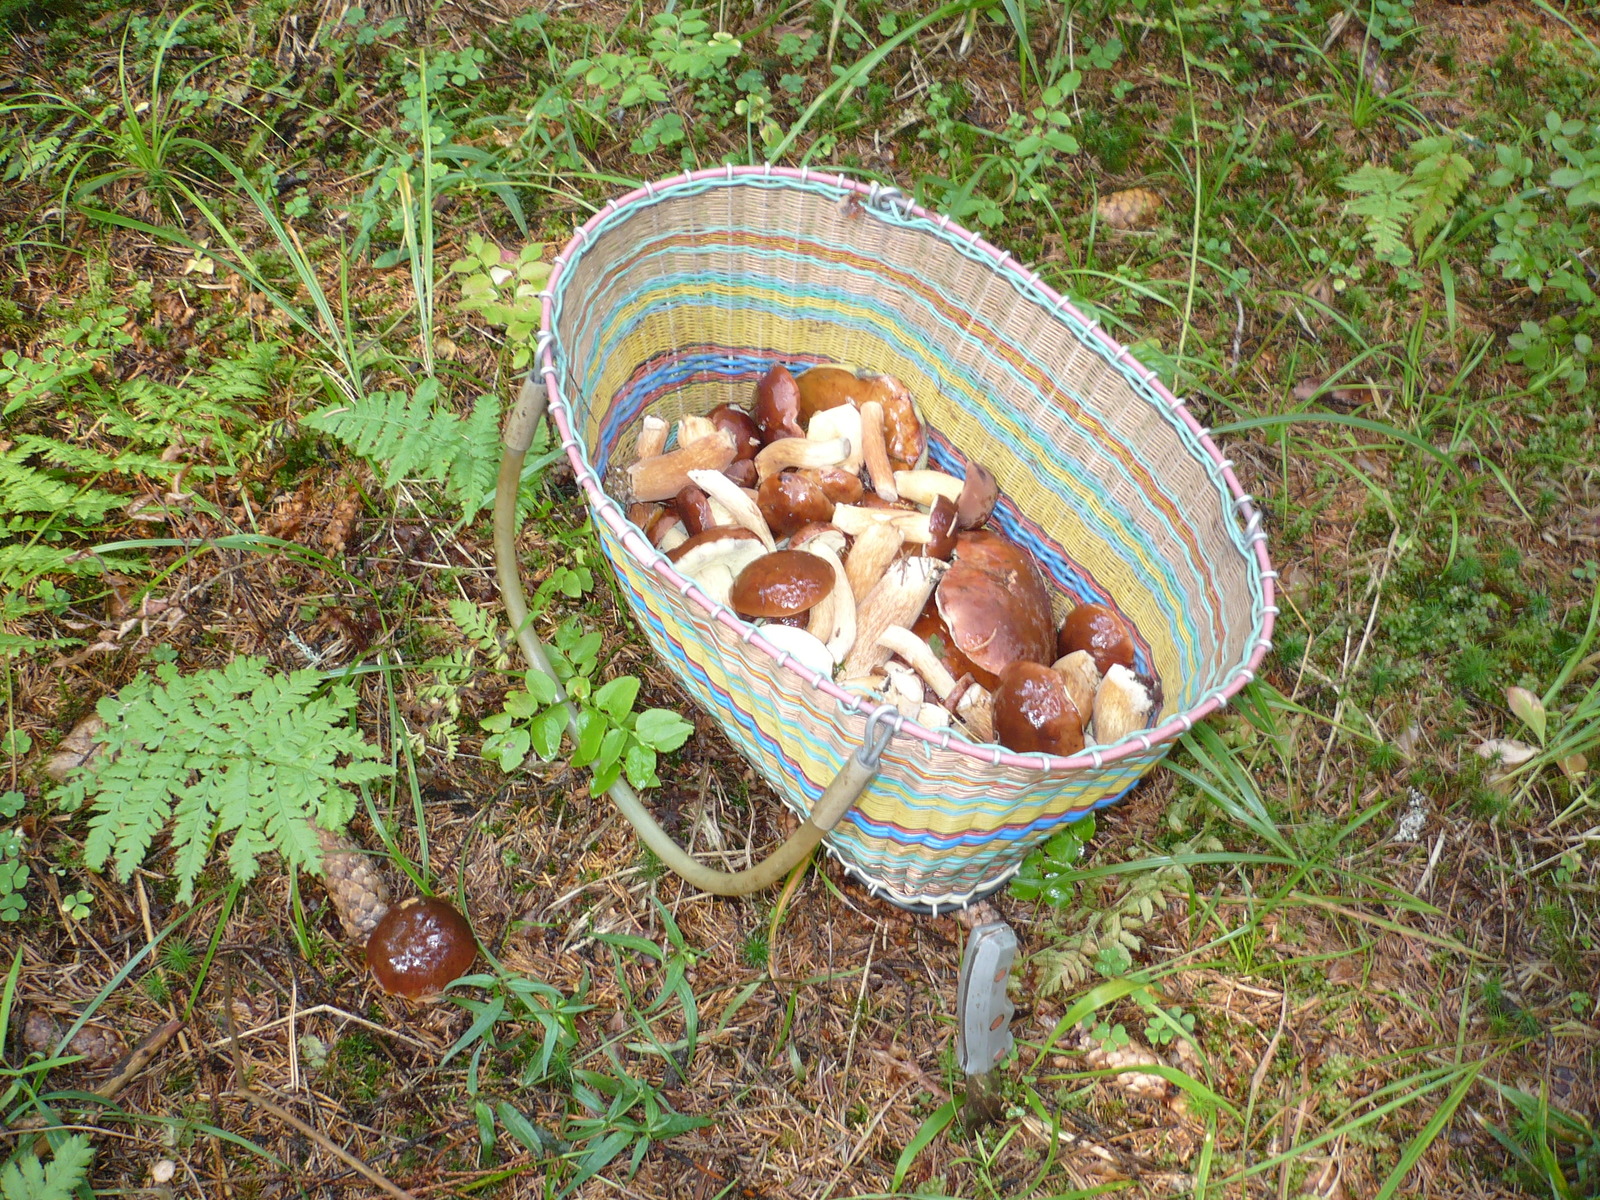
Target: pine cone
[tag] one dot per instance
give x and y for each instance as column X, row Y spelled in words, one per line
column 101, row 1048
column 40, row 1032
column 356, row 888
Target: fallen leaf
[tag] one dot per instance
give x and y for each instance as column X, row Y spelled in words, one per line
column 1573, row 766
column 77, row 749
column 1132, row 208
column 1509, row 751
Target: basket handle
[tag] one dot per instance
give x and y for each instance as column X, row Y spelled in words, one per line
column 858, row 770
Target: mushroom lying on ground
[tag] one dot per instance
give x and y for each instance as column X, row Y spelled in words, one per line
column 419, row 946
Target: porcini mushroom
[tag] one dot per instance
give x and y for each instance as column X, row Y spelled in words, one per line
column 920, row 657
column 1097, row 629
column 875, row 548
column 741, row 427
column 828, row 386
column 903, row 433
column 995, row 603
column 663, row 476
column 1082, row 677
column 787, row 453
column 784, row 583
column 419, row 946
column 804, row 647
column 895, row 599
column 875, row 452
column 1121, row 706
column 791, row 499
column 736, row 502
column 715, row 557
column 842, row 422
column 1032, row 712
column 979, row 491
column 926, row 486
column 941, row 527
column 777, row 406
column 652, row 437
column 693, row 509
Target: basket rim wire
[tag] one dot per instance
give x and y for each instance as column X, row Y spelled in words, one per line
column 876, row 195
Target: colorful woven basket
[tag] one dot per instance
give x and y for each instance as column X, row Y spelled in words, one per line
column 678, row 296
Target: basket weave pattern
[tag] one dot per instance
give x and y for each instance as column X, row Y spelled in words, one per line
column 678, row 297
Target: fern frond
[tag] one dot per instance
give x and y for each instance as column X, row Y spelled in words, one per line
column 238, row 751
column 1436, row 181
column 479, row 626
column 24, row 489
column 26, row 1178
column 477, row 461
column 1381, row 201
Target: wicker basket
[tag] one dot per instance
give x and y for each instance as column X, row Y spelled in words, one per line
column 676, row 297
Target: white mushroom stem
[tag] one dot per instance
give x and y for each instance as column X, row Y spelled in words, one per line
column 692, row 429
column 841, row 633
column 875, row 451
column 904, row 689
column 719, row 511
column 664, row 476
column 652, row 437
column 673, row 538
column 920, row 656
column 1082, row 677
column 856, row 520
column 975, row 710
column 842, row 421
column 740, row 507
column 875, row 548
column 1121, row 706
column 897, row 598
column 802, row 453
column 924, row 487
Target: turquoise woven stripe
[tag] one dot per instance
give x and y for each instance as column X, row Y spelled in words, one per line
column 1187, row 611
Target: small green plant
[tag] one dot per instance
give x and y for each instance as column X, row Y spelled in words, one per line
column 1047, row 873
column 25, row 1177
column 239, row 751
column 417, row 436
column 13, row 873
column 1158, row 1031
column 1420, row 201
column 610, row 738
column 503, row 288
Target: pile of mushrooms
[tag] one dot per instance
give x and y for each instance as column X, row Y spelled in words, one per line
column 814, row 514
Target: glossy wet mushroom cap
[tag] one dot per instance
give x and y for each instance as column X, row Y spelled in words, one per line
column 419, row 946
column 1033, row 713
column 739, row 425
column 1097, row 629
column 784, row 583
column 693, row 509
column 791, row 499
column 978, row 496
column 777, row 405
column 930, row 627
column 825, row 386
column 996, row 604
column 942, row 521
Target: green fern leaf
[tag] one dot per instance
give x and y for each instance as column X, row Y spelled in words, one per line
column 24, row 489
column 238, row 752
column 1382, row 202
column 1436, row 181
column 26, row 1178
column 476, row 463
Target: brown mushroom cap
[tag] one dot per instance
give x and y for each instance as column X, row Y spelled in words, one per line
column 942, row 523
column 930, row 627
column 903, row 434
column 693, row 509
column 978, row 495
column 781, row 584
column 777, row 405
column 742, row 471
column 791, row 499
column 996, row 604
column 419, row 946
column 823, row 387
column 741, row 426
column 1033, row 712
column 1097, row 629
column 837, row 484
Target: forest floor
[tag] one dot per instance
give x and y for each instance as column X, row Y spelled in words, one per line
column 1355, row 939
